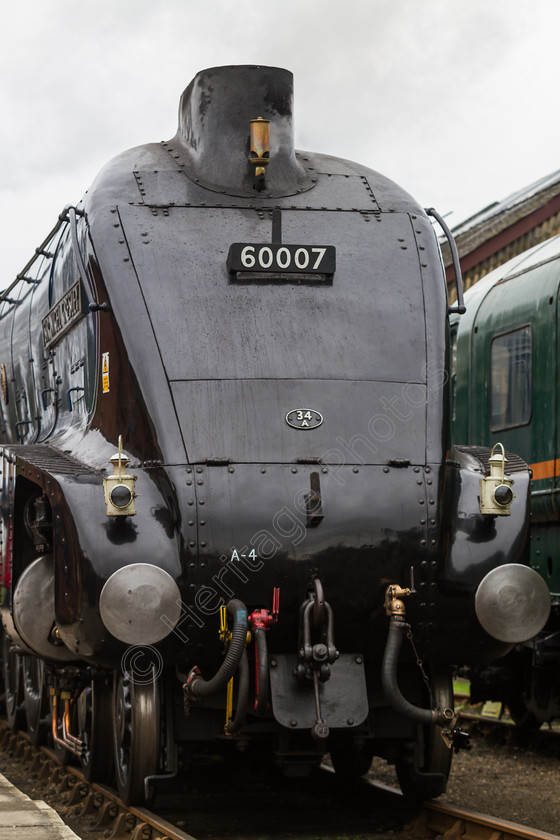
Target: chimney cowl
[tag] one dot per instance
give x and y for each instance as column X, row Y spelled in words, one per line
column 213, row 140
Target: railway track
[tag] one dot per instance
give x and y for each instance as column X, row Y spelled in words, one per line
column 94, row 811
column 93, row 808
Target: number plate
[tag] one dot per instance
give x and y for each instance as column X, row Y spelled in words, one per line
column 282, row 259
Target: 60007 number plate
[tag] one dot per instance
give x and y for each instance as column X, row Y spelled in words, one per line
column 282, row 259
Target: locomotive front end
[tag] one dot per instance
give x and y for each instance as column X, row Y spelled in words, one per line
column 267, row 331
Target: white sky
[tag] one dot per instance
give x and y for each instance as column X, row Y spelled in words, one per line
column 456, row 100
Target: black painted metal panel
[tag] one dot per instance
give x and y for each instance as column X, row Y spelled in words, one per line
column 282, row 331
column 245, row 420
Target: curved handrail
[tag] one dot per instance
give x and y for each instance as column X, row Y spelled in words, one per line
column 460, row 308
column 39, row 252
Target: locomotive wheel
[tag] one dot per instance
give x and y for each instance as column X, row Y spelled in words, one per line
column 13, row 694
column 93, row 717
column 437, row 756
column 136, row 734
column 35, row 699
column 351, row 760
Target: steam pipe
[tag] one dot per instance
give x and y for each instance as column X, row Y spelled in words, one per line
column 196, row 686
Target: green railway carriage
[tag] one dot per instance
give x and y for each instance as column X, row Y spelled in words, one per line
column 506, row 376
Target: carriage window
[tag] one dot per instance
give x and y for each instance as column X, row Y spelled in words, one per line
column 511, row 379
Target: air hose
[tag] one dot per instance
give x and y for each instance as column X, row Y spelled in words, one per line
column 427, row 717
column 196, row 686
column 236, row 724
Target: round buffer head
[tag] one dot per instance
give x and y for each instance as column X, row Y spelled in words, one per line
column 140, row 604
column 512, row 603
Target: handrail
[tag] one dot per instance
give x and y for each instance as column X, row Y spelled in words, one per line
column 39, row 252
column 72, row 213
column 460, row 308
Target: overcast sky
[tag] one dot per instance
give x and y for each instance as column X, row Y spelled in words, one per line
column 456, row 100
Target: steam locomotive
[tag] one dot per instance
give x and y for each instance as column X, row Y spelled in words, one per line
column 506, row 385
column 229, row 490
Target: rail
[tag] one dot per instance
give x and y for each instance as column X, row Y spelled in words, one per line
column 458, row 823
column 99, row 803
column 103, row 809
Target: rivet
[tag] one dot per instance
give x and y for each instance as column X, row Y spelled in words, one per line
column 293, row 723
column 201, row 502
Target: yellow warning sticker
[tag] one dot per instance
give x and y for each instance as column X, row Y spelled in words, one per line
column 105, row 372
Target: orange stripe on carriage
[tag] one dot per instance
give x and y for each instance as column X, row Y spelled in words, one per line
column 545, row 469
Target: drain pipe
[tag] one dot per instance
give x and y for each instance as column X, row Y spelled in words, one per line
column 394, row 607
